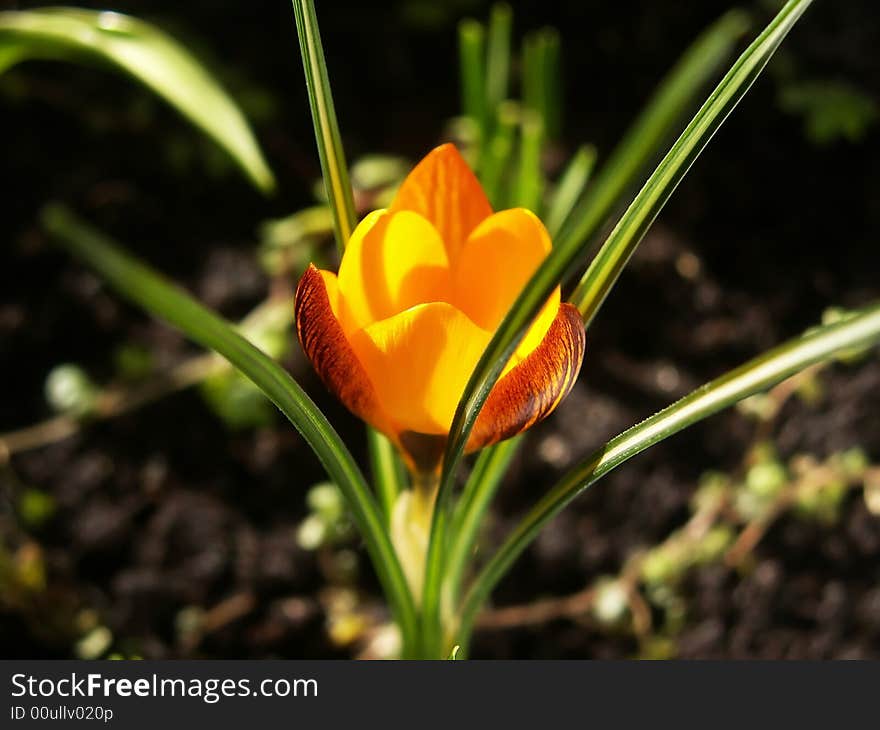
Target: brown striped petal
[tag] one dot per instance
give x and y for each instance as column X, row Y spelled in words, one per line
column 329, row 351
column 533, row 389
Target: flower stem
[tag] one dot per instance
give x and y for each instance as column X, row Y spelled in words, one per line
column 411, row 526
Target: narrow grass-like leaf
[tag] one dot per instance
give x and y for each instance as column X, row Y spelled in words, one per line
column 765, row 371
column 529, row 177
column 149, row 290
column 489, row 469
column 498, row 55
column 336, row 179
column 564, row 257
column 472, row 72
column 385, row 460
column 531, row 74
column 144, row 53
column 541, row 78
column 551, row 68
column 570, row 187
column 388, row 471
column 642, row 141
column 496, row 155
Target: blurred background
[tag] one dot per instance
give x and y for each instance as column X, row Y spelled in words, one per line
column 196, row 524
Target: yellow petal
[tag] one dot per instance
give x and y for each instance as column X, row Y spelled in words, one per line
column 331, row 286
column 500, row 256
column 538, row 331
column 531, row 391
column 419, row 362
column 443, row 189
column 392, row 262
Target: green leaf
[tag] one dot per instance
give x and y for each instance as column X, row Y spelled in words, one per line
column 831, row 110
column 472, row 72
column 149, row 290
column 498, row 55
column 237, row 401
column 336, row 177
column 819, row 344
column 620, row 245
column 552, row 89
column 387, row 467
column 529, row 191
column 488, row 472
column 565, row 256
column 496, row 154
column 541, row 78
column 572, row 183
column 388, row 471
column 144, row 53
column 676, row 93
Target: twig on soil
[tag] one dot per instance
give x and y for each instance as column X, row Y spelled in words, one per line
column 578, row 605
column 812, row 482
column 539, row 612
column 228, row 610
column 115, row 400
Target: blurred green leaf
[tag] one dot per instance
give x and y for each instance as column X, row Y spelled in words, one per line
column 831, row 110
column 472, row 71
column 489, row 470
column 371, row 172
column 288, row 245
column 236, row 401
column 496, row 154
column 570, row 187
column 146, row 54
column 133, row 363
column 498, row 55
column 542, row 78
column 328, row 523
column 388, row 470
column 529, row 192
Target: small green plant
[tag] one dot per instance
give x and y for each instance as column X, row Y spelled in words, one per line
column 831, row 110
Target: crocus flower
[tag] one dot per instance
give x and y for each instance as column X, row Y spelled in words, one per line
column 421, row 289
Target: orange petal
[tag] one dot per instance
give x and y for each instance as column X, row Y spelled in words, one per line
column 500, row 256
column 443, row 189
column 419, row 362
column 393, row 261
column 329, row 351
column 534, row 387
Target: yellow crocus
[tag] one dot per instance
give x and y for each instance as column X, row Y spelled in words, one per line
column 421, row 289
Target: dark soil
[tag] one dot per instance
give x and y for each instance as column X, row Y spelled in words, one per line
column 165, row 508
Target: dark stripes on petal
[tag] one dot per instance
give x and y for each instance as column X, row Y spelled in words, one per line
column 533, row 388
column 329, row 351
